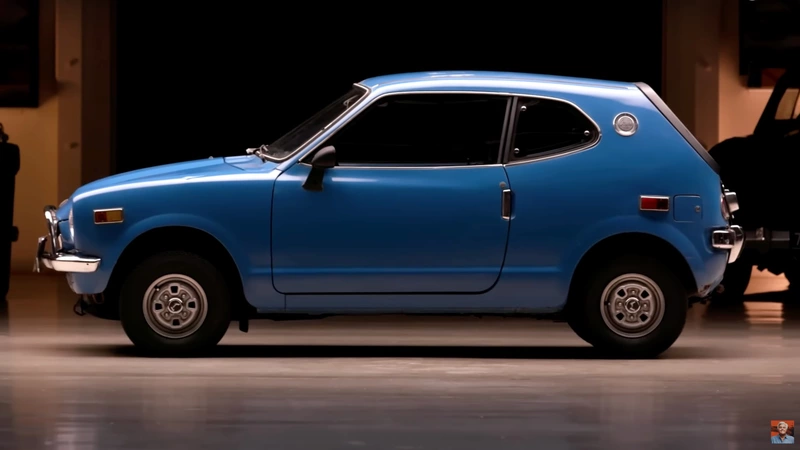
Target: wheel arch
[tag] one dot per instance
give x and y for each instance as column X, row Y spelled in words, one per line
column 181, row 238
column 636, row 243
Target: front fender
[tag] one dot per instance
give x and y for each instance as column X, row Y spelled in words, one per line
column 109, row 248
column 211, row 227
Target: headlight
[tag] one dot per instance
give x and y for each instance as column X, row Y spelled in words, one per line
column 71, row 226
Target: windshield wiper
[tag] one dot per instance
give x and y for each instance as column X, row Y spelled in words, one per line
column 260, row 151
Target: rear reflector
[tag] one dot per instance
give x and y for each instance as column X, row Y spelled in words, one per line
column 653, row 203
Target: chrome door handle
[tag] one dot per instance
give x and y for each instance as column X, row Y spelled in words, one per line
column 505, row 209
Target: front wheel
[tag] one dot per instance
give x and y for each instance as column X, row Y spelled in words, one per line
column 175, row 303
column 633, row 307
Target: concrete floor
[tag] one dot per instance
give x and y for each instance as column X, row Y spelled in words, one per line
column 69, row 382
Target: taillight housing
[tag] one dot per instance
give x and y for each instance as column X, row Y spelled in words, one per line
column 723, row 204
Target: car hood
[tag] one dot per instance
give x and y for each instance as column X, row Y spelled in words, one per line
column 168, row 173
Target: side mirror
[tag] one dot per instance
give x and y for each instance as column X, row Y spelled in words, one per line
column 325, row 158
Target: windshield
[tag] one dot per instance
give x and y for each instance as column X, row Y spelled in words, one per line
column 293, row 140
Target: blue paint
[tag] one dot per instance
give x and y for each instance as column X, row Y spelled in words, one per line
column 687, row 208
column 389, row 230
column 401, row 239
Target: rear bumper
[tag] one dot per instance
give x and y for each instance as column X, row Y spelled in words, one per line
column 732, row 238
column 56, row 259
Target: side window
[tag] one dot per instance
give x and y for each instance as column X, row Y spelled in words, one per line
column 424, row 129
column 549, row 126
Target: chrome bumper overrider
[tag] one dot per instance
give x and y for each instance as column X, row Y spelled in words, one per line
column 56, row 259
column 731, row 238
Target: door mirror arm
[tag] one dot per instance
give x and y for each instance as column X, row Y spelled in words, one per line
column 324, row 159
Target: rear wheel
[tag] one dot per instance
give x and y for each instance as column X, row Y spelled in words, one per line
column 634, row 307
column 175, row 303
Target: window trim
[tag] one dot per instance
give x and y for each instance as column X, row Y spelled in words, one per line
column 306, row 158
column 550, row 154
column 304, row 145
column 505, row 139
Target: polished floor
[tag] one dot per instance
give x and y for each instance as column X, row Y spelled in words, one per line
column 69, row 382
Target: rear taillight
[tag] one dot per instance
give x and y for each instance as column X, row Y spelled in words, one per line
column 723, row 204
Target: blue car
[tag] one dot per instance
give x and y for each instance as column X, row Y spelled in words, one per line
column 475, row 193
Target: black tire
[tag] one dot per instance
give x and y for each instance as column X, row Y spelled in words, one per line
column 205, row 322
column 647, row 274
column 734, row 283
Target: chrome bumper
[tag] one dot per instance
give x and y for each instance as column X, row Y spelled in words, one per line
column 56, row 259
column 731, row 238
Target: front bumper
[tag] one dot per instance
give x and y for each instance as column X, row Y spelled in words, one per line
column 731, row 238
column 57, row 259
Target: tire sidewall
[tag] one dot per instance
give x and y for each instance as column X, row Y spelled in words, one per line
column 202, row 272
column 589, row 318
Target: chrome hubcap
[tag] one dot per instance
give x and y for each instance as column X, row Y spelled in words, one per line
column 175, row 306
column 632, row 305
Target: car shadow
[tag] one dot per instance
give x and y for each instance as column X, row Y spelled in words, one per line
column 393, row 351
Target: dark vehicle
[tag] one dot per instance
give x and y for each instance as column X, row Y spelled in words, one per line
column 760, row 169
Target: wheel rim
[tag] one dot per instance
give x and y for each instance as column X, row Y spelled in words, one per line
column 632, row 305
column 175, row 306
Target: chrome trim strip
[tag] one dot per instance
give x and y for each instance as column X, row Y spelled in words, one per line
column 52, row 226
column 731, row 238
column 367, row 92
column 506, row 204
column 335, row 127
column 63, row 262
column 56, row 259
column 557, row 153
column 419, row 167
column 732, row 200
column 739, row 243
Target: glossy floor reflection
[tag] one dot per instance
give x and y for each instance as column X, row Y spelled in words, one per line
column 395, row 383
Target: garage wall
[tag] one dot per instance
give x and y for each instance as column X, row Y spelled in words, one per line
column 739, row 106
column 35, row 130
column 60, row 149
column 701, row 74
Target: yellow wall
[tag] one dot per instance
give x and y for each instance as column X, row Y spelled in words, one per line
column 702, row 84
column 739, row 107
column 48, row 136
column 36, row 133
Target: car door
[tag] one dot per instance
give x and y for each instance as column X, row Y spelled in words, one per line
column 548, row 170
column 414, row 204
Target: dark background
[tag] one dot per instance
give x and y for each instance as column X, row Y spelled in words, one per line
column 215, row 80
column 769, row 37
column 19, row 53
column 201, row 79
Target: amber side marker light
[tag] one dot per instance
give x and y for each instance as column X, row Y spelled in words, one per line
column 102, row 216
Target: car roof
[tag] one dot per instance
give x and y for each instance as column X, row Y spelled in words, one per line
column 485, row 79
